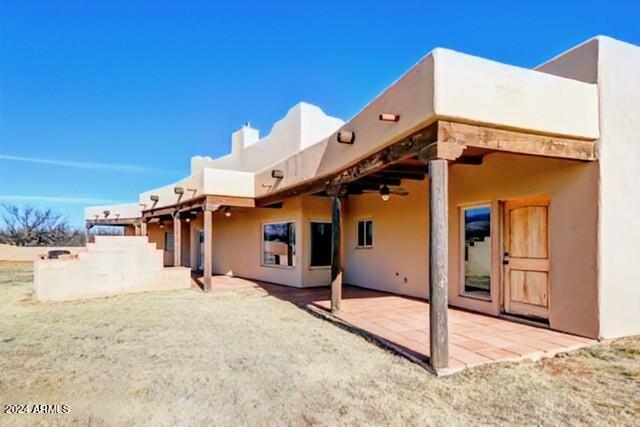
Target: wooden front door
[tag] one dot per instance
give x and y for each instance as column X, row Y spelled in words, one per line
column 526, row 257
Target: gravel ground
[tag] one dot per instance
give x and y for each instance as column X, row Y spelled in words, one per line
column 244, row 358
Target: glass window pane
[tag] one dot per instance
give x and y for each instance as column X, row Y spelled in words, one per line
column 477, row 250
column 369, row 235
column 168, row 241
column 360, row 233
column 320, row 244
column 279, row 242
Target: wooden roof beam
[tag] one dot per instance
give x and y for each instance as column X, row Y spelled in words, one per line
column 478, row 136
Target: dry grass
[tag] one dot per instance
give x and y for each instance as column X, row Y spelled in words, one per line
column 184, row 357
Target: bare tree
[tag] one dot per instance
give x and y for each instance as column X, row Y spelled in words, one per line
column 34, row 227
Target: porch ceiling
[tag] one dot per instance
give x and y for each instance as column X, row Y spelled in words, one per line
column 457, row 142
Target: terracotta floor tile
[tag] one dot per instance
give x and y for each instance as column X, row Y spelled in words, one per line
column 474, row 338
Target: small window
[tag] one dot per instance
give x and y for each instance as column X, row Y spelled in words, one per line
column 168, row 241
column 476, row 229
column 320, row 244
column 365, row 233
column 279, row 244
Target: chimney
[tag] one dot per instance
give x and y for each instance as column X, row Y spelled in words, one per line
column 243, row 138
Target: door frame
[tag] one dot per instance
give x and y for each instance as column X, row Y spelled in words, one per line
column 542, row 199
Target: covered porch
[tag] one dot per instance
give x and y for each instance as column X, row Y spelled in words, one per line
column 402, row 324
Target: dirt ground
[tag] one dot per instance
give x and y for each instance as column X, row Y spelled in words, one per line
column 243, row 358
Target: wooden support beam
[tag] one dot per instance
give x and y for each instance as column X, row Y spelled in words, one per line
column 177, row 241
column 516, row 141
column 438, row 263
column 208, row 249
column 441, row 150
column 337, row 195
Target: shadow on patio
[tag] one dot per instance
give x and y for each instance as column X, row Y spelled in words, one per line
column 403, row 322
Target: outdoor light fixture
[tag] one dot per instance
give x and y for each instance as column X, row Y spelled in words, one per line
column 385, row 194
column 178, row 190
column 227, row 212
column 188, row 219
column 388, row 117
column 154, row 198
column 161, row 224
column 106, row 213
column 346, row 137
column 277, row 174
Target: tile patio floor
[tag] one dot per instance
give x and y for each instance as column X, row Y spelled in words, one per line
column 475, row 339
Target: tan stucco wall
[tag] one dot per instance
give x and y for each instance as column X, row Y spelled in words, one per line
column 619, row 68
column 615, row 66
column 237, row 243
column 400, row 242
column 572, row 230
column 30, row 253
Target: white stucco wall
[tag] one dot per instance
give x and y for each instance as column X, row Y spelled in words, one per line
column 302, row 126
column 112, row 265
column 124, row 211
column 615, row 66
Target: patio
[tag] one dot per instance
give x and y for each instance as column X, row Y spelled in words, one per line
column 475, row 339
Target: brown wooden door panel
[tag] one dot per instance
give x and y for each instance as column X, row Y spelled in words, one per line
column 529, row 287
column 528, row 232
column 526, row 244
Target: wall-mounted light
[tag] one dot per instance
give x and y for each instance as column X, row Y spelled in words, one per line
column 227, row 212
column 188, row 219
column 346, row 137
column 161, row 224
column 389, row 117
column 178, row 190
column 154, row 197
column 106, row 213
column 385, row 193
column 277, row 174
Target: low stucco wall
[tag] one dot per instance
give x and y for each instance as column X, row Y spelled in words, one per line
column 31, row 253
column 110, row 266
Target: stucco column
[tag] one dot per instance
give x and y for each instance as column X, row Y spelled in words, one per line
column 208, row 249
column 177, row 241
column 438, row 263
column 193, row 246
column 143, row 227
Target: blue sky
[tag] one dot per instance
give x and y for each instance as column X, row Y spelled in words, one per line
column 100, row 101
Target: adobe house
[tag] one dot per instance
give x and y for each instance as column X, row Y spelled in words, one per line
column 475, row 184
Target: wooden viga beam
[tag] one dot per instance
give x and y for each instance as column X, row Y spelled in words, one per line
column 516, row 141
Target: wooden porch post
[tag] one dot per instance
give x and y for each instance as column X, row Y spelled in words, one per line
column 438, row 263
column 177, row 241
column 208, row 249
column 336, row 247
column 336, row 254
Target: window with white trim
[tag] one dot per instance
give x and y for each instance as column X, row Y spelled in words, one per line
column 365, row 233
column 168, row 241
column 476, row 238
